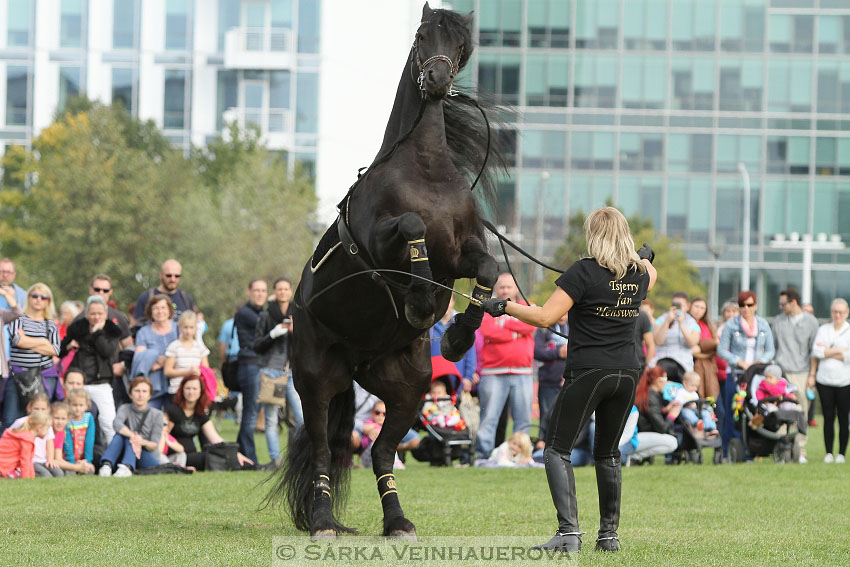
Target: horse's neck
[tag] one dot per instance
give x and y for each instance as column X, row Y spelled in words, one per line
column 405, row 110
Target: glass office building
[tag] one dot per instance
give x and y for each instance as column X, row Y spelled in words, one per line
column 663, row 106
column 189, row 65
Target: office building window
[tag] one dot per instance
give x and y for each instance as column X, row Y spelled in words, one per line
column 644, row 82
column 789, row 85
column 71, row 24
column 498, row 74
column 787, row 154
column 791, row 33
column 544, row 149
column 742, row 25
column 124, row 24
column 740, row 85
column 17, row 95
column 645, row 24
column 592, row 150
column 541, row 197
column 307, row 103
column 689, row 152
column 832, row 208
column 597, row 24
column 732, row 150
column 641, row 196
column 499, row 23
column 595, row 81
column 177, row 23
column 227, row 95
column 688, row 208
column 19, row 23
column 548, row 23
column 786, row 207
column 588, row 192
column 174, row 103
column 546, row 78
column 730, row 210
column 641, row 152
column 309, row 17
column 834, row 34
column 124, row 89
column 834, row 86
column 693, row 25
column 228, row 17
column 69, row 84
column 693, row 83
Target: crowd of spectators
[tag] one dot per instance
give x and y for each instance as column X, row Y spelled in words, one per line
column 132, row 391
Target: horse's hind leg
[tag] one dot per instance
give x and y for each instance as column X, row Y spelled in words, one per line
column 399, row 380
column 460, row 336
column 396, row 237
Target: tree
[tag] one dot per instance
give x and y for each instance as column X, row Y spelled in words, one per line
column 675, row 272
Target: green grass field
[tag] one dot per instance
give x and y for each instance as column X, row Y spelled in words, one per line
column 753, row 514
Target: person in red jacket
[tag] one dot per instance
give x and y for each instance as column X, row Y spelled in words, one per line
column 17, row 446
column 506, row 372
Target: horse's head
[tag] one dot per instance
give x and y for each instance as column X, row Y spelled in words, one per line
column 442, row 47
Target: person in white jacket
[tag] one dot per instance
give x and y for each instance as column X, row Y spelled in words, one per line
column 832, row 349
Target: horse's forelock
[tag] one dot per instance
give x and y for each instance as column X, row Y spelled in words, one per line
column 457, row 29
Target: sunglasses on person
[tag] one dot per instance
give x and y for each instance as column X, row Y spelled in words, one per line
column 101, row 290
column 376, row 412
column 39, row 296
column 748, row 305
column 782, row 304
column 175, row 276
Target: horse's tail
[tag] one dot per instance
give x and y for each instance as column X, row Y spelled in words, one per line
column 293, row 483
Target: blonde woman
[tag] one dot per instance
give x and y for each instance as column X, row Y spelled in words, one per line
column 34, row 339
column 602, row 294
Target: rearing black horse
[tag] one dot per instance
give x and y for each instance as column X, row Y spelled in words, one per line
column 412, row 211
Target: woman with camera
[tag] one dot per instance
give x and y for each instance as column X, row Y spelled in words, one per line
column 272, row 342
column 676, row 334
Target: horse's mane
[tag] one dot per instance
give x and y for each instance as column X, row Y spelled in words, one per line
column 466, row 129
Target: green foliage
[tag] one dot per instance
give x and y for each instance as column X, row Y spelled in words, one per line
column 103, row 192
column 675, row 272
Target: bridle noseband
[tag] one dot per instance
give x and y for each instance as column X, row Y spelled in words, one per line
column 453, row 67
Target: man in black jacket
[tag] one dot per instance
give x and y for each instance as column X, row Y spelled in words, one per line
column 249, row 364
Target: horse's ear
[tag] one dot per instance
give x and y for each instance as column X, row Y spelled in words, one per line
column 467, row 20
column 426, row 12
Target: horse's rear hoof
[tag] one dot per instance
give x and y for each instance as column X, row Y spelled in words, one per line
column 400, row 528
column 323, row 534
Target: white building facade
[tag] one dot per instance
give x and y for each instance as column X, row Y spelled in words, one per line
column 189, row 65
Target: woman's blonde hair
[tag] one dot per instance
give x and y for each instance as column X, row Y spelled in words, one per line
column 49, row 309
column 524, row 441
column 609, row 241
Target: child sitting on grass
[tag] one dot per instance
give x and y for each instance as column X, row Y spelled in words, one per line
column 43, row 457
column 17, row 446
column 79, row 434
column 59, row 413
column 515, row 452
column 687, row 396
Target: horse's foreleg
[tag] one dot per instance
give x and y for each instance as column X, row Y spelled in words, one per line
column 460, row 336
column 395, row 237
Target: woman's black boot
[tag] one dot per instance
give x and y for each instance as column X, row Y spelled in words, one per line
column 562, row 485
column 608, row 482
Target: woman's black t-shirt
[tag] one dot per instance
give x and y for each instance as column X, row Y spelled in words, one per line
column 185, row 428
column 602, row 319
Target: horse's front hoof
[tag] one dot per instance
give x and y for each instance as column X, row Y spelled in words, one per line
column 400, row 528
column 419, row 321
column 323, row 534
column 456, row 341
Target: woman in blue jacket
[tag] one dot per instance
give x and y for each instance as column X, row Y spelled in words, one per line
column 746, row 340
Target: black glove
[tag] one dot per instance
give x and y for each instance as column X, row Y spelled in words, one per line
column 495, row 307
column 646, row 252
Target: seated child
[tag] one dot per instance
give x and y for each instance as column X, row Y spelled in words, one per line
column 59, row 413
column 687, row 396
column 79, row 434
column 438, row 409
column 371, row 428
column 43, row 457
column 515, row 452
column 773, row 387
column 17, row 446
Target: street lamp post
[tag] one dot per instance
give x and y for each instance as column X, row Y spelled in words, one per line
column 745, row 268
column 807, row 245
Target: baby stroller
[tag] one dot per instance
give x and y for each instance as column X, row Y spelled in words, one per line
column 448, row 437
column 693, row 440
column 759, row 427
